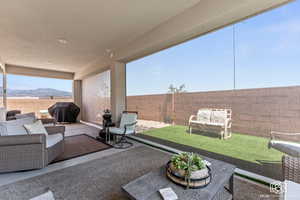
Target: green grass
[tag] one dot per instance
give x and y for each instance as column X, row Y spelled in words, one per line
column 240, row 146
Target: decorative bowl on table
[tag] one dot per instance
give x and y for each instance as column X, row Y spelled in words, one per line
column 188, row 170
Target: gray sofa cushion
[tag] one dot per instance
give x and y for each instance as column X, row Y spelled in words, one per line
column 15, row 127
column 26, row 115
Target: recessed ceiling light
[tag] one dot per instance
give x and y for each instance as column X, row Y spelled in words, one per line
column 62, row 41
column 110, row 53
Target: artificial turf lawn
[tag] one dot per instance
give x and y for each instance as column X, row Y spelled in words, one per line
column 240, row 146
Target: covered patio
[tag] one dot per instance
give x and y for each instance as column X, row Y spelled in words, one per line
column 109, row 169
column 90, row 43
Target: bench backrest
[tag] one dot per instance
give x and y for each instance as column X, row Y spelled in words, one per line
column 204, row 115
column 209, row 115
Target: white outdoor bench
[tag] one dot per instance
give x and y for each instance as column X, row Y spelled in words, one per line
column 217, row 121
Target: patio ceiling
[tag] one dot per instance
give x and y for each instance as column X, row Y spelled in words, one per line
column 86, row 36
column 33, row 33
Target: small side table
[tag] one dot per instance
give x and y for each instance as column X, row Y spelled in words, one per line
column 147, row 186
column 105, row 130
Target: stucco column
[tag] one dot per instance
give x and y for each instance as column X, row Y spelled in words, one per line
column 118, row 90
column 77, row 95
column 4, row 86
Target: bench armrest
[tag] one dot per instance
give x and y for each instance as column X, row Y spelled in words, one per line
column 55, row 129
column 228, row 123
column 22, row 139
column 191, row 118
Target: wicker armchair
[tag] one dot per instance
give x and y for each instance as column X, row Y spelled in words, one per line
column 290, row 163
column 291, row 168
column 26, row 152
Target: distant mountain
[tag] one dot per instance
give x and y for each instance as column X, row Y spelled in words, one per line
column 40, row 92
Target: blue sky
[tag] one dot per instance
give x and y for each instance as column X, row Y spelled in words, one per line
column 267, row 55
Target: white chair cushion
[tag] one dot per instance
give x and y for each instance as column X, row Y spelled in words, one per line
column 2, row 114
column 53, row 139
column 36, row 128
column 128, row 118
column 290, row 148
column 15, row 127
column 204, row 115
column 120, row 131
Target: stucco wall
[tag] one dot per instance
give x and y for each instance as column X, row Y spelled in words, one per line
column 255, row 111
column 95, row 96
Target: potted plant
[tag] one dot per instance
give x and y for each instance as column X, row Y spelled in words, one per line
column 190, row 167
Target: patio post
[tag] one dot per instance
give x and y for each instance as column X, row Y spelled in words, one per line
column 118, row 89
column 4, row 86
column 77, row 95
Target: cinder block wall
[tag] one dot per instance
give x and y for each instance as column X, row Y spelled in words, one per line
column 33, row 105
column 255, row 111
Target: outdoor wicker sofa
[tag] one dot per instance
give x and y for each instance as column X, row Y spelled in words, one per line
column 26, row 152
column 217, row 121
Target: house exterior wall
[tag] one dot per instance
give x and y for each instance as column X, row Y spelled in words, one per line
column 104, row 90
column 95, row 96
column 254, row 111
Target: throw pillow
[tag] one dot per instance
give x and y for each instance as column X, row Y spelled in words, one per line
column 2, row 114
column 36, row 128
column 15, row 127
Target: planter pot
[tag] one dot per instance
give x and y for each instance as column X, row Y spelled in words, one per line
column 198, row 179
column 194, row 175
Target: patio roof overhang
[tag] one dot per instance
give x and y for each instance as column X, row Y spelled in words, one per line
column 30, row 71
column 85, row 37
column 75, row 39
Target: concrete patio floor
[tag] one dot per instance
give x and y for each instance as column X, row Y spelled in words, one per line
column 71, row 130
column 243, row 188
